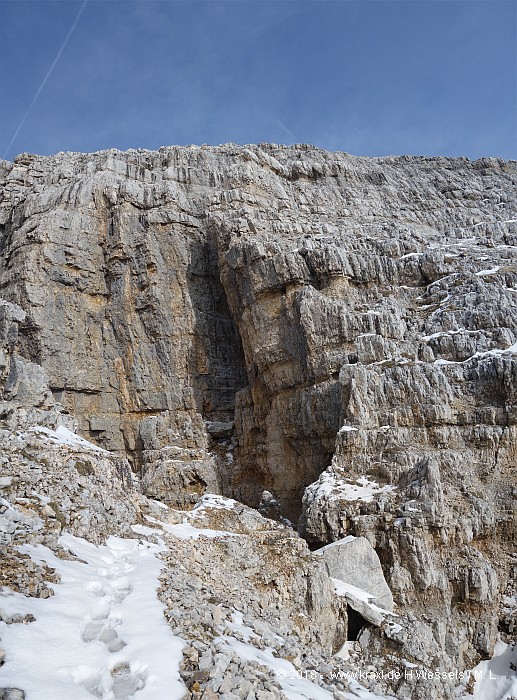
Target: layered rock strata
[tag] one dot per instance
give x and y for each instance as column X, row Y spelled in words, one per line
column 312, row 324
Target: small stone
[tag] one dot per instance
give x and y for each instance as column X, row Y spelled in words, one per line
column 12, row 694
column 200, row 676
column 206, row 660
column 266, row 695
column 7, row 526
column 209, row 694
column 227, row 684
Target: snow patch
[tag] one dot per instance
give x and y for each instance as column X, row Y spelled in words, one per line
column 183, row 531
column 496, row 679
column 343, row 540
column 442, row 333
column 292, row 683
column 347, row 590
column 295, row 684
column 491, row 271
column 213, row 500
column 496, row 352
column 410, row 255
column 63, row 436
column 237, row 625
column 102, row 634
column 330, row 484
column 342, row 588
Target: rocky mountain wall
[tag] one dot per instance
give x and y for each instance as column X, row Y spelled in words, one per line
column 163, row 289
column 338, row 331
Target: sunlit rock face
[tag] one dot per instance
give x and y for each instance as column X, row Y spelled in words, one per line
column 164, row 289
column 337, row 331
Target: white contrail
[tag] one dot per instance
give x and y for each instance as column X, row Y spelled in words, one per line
column 47, row 76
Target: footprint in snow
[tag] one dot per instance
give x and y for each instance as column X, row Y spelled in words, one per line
column 92, row 627
column 99, row 625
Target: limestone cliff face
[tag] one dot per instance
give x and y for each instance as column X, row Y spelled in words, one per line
column 163, row 289
column 354, row 319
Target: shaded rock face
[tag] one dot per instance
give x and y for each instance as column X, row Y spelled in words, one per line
column 127, row 313
column 25, row 396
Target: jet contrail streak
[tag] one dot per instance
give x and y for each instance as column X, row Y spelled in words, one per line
column 47, row 76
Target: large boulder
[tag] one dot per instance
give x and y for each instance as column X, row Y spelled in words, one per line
column 354, row 561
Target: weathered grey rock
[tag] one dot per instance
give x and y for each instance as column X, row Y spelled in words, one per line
column 182, row 283
column 25, row 396
column 27, row 383
column 354, row 318
column 354, row 560
column 12, row 694
column 218, row 429
column 178, row 476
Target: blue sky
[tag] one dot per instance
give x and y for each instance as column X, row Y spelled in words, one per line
column 369, row 77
